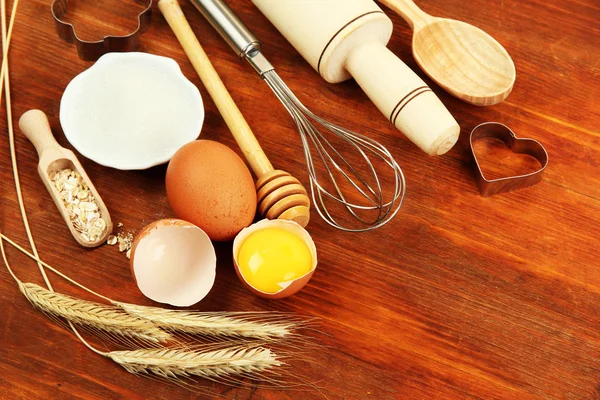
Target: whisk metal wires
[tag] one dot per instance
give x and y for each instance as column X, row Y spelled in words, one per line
column 369, row 186
column 377, row 207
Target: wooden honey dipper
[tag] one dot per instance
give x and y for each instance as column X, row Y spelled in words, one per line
column 279, row 194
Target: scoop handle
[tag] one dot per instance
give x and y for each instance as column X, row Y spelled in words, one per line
column 35, row 126
column 403, row 97
column 411, row 13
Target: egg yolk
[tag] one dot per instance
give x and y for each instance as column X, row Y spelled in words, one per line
column 269, row 259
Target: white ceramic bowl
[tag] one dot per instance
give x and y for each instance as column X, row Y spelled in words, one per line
column 131, row 111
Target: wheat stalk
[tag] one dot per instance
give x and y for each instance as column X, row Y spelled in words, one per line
column 185, row 363
column 265, row 326
column 109, row 319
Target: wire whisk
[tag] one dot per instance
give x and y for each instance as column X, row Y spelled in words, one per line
column 376, row 208
column 370, row 187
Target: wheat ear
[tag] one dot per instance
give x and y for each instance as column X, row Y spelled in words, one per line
column 217, row 324
column 108, row 319
column 174, row 364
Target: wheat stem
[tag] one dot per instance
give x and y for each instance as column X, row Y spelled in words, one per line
column 51, row 268
column 4, row 75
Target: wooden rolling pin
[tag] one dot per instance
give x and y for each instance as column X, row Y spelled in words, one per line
column 343, row 39
column 53, row 159
column 279, row 194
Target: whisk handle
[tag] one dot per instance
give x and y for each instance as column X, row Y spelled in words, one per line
column 229, row 26
column 234, row 119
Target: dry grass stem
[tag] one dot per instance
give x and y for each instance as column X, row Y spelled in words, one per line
column 104, row 318
column 238, row 325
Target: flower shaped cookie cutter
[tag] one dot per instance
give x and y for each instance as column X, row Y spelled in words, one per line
column 91, row 51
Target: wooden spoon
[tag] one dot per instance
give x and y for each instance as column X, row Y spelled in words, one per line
column 53, row 158
column 463, row 59
column 280, row 195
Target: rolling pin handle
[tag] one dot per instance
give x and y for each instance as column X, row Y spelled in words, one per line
column 403, row 97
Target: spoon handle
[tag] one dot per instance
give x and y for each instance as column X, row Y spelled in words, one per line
column 411, row 13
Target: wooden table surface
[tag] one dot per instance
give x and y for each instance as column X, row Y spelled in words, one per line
column 460, row 296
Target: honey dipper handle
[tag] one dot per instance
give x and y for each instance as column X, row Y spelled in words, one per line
column 411, row 13
column 234, row 119
column 35, row 126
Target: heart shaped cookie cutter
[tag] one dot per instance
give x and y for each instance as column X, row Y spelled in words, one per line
column 489, row 187
column 91, row 51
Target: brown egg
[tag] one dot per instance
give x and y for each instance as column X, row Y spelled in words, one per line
column 209, row 185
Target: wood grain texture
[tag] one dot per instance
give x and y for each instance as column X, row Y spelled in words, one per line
column 459, row 296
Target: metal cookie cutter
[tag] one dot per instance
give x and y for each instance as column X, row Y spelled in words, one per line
column 489, row 187
column 91, row 51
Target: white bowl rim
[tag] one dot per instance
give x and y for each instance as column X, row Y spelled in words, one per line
column 144, row 163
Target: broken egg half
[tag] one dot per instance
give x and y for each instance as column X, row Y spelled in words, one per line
column 274, row 258
column 173, row 262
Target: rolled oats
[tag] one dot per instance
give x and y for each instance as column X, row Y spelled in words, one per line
column 125, row 241
column 80, row 204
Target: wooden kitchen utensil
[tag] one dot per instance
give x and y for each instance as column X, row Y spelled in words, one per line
column 343, row 39
column 53, row 158
column 280, row 195
column 461, row 58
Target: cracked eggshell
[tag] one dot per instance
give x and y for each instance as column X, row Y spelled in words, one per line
column 288, row 288
column 173, row 262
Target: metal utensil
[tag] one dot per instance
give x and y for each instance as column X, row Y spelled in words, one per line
column 378, row 206
column 461, row 58
column 531, row 147
column 91, row 51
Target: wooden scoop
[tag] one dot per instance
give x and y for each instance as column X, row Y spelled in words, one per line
column 53, row 158
column 463, row 59
column 280, row 195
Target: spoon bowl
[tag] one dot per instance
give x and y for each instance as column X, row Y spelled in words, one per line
column 461, row 58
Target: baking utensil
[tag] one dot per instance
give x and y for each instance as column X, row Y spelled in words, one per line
column 34, row 124
column 489, row 187
column 280, row 195
column 131, row 111
column 91, row 51
column 364, row 184
column 464, row 60
column 344, row 39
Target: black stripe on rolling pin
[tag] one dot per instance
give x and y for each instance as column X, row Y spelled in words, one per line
column 338, row 32
column 405, row 100
column 402, row 100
